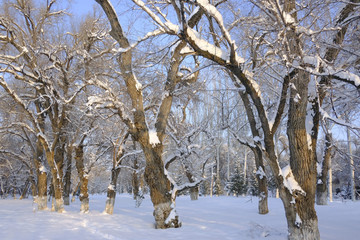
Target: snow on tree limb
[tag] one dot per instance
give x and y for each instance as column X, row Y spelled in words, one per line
column 318, row 67
column 212, row 11
column 215, row 53
column 153, row 137
column 290, row 183
column 338, row 121
column 22, row 104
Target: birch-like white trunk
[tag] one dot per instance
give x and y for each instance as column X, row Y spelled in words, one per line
column 352, row 168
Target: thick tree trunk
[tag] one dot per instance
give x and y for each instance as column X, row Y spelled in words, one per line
column 111, row 191
column 59, row 201
column 56, row 176
column 57, row 185
column 303, row 165
column 164, row 212
column 298, row 227
column 41, row 197
column 59, row 160
column 84, row 195
column 67, row 177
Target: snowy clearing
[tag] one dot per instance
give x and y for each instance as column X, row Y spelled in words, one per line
column 208, row 218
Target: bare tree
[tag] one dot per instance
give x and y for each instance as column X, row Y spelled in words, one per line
column 297, row 181
column 150, row 139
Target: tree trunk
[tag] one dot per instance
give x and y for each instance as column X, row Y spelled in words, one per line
column 42, row 190
column 56, row 175
column 84, row 195
column 135, row 183
column 194, row 193
column 67, row 177
column 74, row 191
column 330, row 182
column 304, row 225
column 218, row 188
column 164, row 212
column 26, row 188
column 57, row 184
column 261, row 178
column 298, row 227
column 262, row 181
column 33, row 183
column 351, row 165
column 263, row 195
column 41, row 197
column 321, row 187
column 111, row 191
column 59, row 160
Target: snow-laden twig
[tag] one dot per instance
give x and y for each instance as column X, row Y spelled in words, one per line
column 127, row 155
column 338, row 121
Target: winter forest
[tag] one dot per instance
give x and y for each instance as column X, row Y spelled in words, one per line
column 180, row 101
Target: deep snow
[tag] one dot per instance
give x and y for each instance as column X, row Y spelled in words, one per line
column 208, row 218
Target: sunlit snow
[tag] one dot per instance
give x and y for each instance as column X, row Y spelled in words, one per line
column 205, row 219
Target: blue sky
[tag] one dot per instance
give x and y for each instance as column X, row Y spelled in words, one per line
column 81, row 7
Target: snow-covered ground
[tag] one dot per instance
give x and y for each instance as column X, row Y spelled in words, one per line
column 208, row 218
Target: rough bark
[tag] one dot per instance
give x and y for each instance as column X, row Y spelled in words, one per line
column 159, row 188
column 84, row 195
column 111, row 191
column 262, row 181
column 67, row 177
column 56, row 181
column 135, row 185
column 58, row 174
column 302, row 162
column 41, row 197
column 136, row 182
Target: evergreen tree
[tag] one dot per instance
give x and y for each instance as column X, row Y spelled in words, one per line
column 236, row 185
